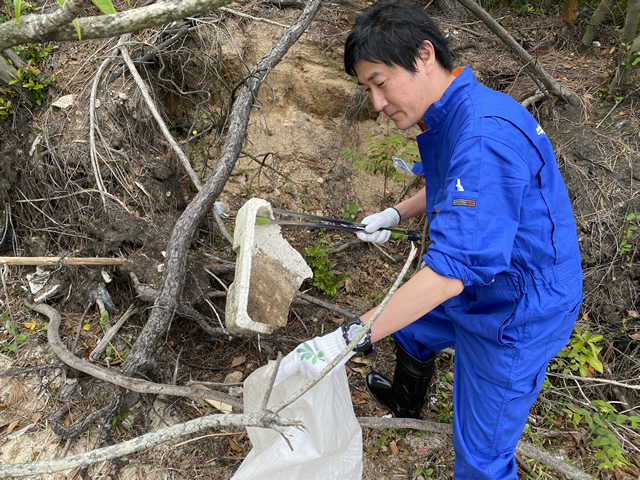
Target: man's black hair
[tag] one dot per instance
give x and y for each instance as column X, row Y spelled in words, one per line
column 392, row 33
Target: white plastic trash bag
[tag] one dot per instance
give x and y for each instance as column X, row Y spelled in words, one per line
column 330, row 447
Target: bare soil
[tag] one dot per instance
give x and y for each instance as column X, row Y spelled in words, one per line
column 302, row 119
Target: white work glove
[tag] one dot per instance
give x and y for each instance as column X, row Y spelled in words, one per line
column 310, row 357
column 374, row 223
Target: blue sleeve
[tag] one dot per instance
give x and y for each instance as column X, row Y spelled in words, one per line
column 477, row 220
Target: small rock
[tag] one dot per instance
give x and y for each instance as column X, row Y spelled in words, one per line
column 64, row 102
column 234, row 377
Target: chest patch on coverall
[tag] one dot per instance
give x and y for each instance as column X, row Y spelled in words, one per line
column 464, row 202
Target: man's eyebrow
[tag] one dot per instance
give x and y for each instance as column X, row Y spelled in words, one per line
column 371, row 77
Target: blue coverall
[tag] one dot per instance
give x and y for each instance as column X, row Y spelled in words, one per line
column 501, row 221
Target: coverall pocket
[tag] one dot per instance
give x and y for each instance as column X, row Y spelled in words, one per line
column 508, row 331
column 562, row 331
column 488, row 314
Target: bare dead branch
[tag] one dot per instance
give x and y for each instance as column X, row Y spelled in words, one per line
column 244, row 15
column 134, row 384
column 108, row 336
column 603, row 381
column 537, row 73
column 33, row 27
column 156, row 115
column 38, row 28
column 524, row 448
column 62, row 261
column 175, row 264
column 35, row 368
column 259, row 419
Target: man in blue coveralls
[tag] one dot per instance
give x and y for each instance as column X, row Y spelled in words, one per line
column 502, row 280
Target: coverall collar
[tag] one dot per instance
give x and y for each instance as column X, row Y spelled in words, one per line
column 438, row 111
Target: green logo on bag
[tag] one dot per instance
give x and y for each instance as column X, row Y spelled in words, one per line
column 308, row 353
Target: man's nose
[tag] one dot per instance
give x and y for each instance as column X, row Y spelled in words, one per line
column 378, row 99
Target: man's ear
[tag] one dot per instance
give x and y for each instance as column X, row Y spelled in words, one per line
column 426, row 55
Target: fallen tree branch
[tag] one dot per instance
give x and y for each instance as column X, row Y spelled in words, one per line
column 594, row 380
column 524, row 447
column 532, row 99
column 262, row 419
column 244, row 15
column 93, row 155
column 328, row 305
column 537, row 73
column 57, row 26
column 35, row 368
column 96, row 417
column 134, row 384
column 57, row 261
column 111, row 332
column 167, row 300
column 188, row 311
column 33, row 27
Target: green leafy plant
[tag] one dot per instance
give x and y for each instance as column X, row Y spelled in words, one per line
column 121, row 418
column 104, row 318
column 425, row 472
column 305, row 199
column 6, row 106
column 19, row 7
column 626, row 249
column 32, row 79
column 380, row 441
column 351, row 211
column 537, row 471
column 631, row 59
column 581, row 352
column 375, row 157
column 33, row 51
column 602, row 431
column 10, row 335
column 442, row 400
column 319, row 259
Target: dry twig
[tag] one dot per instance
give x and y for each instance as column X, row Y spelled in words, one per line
column 107, row 375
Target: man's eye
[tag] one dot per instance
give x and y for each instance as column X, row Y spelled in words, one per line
column 380, row 85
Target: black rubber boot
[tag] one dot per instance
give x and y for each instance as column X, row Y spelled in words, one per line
column 406, row 394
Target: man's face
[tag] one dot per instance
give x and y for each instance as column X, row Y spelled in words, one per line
column 402, row 95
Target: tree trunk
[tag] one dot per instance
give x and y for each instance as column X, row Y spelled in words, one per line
column 594, row 22
column 628, row 50
column 631, row 21
column 452, row 10
column 569, row 12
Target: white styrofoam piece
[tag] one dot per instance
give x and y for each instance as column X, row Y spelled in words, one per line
column 252, row 240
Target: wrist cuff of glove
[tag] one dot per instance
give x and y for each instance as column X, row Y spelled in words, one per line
column 333, row 344
column 399, row 216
